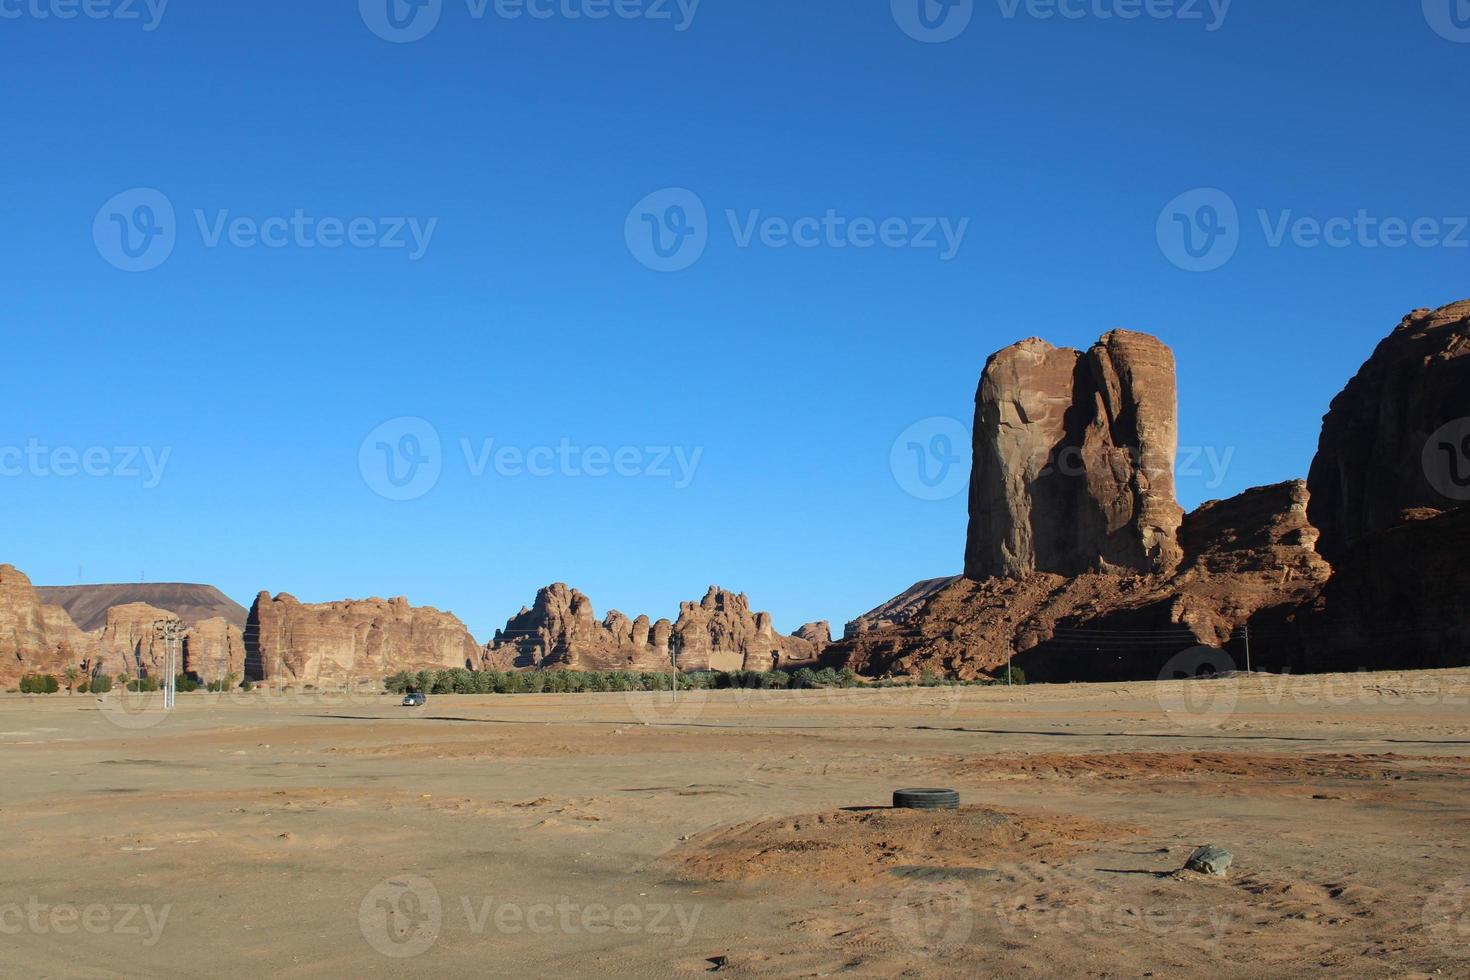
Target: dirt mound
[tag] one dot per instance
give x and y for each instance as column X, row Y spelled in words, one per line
column 851, row 846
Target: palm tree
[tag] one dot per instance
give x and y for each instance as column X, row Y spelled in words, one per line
column 72, row 675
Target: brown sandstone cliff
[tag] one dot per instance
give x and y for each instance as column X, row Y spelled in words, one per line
column 1246, row 560
column 1397, row 438
column 290, row 642
column 1074, row 460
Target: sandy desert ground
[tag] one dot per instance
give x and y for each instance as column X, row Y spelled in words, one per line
column 316, row 835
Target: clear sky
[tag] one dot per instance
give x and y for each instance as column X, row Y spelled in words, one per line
column 529, row 311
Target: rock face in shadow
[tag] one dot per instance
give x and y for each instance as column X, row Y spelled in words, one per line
column 290, row 642
column 1397, row 438
column 1246, row 560
column 1398, row 599
column 1074, row 460
column 719, row 632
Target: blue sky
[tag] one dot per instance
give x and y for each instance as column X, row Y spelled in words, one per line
column 532, row 317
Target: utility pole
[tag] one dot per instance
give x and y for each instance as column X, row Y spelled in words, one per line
column 172, row 631
column 1248, row 648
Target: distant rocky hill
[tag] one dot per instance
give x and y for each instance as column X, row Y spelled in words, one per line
column 88, row 604
column 719, row 632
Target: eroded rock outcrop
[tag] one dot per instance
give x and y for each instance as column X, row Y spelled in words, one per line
column 719, row 632
column 1245, row 560
column 130, row 642
column 1397, row 438
column 1074, row 460
column 561, row 630
column 291, row 642
column 214, row 650
column 35, row 637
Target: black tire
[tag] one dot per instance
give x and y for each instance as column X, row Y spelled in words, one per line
column 926, row 799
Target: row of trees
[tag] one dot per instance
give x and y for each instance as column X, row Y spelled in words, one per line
column 462, row 681
column 75, row 681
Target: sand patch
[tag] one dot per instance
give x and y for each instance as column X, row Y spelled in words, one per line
column 851, row 846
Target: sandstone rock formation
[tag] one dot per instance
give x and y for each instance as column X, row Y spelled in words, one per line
column 1399, row 599
column 290, row 642
column 35, row 638
column 88, row 604
column 1074, row 460
column 130, row 642
column 1396, row 438
column 561, row 630
column 214, row 650
column 900, row 609
column 719, row 632
column 1246, row 560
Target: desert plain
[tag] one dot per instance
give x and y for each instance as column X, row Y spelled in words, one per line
column 744, row 832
